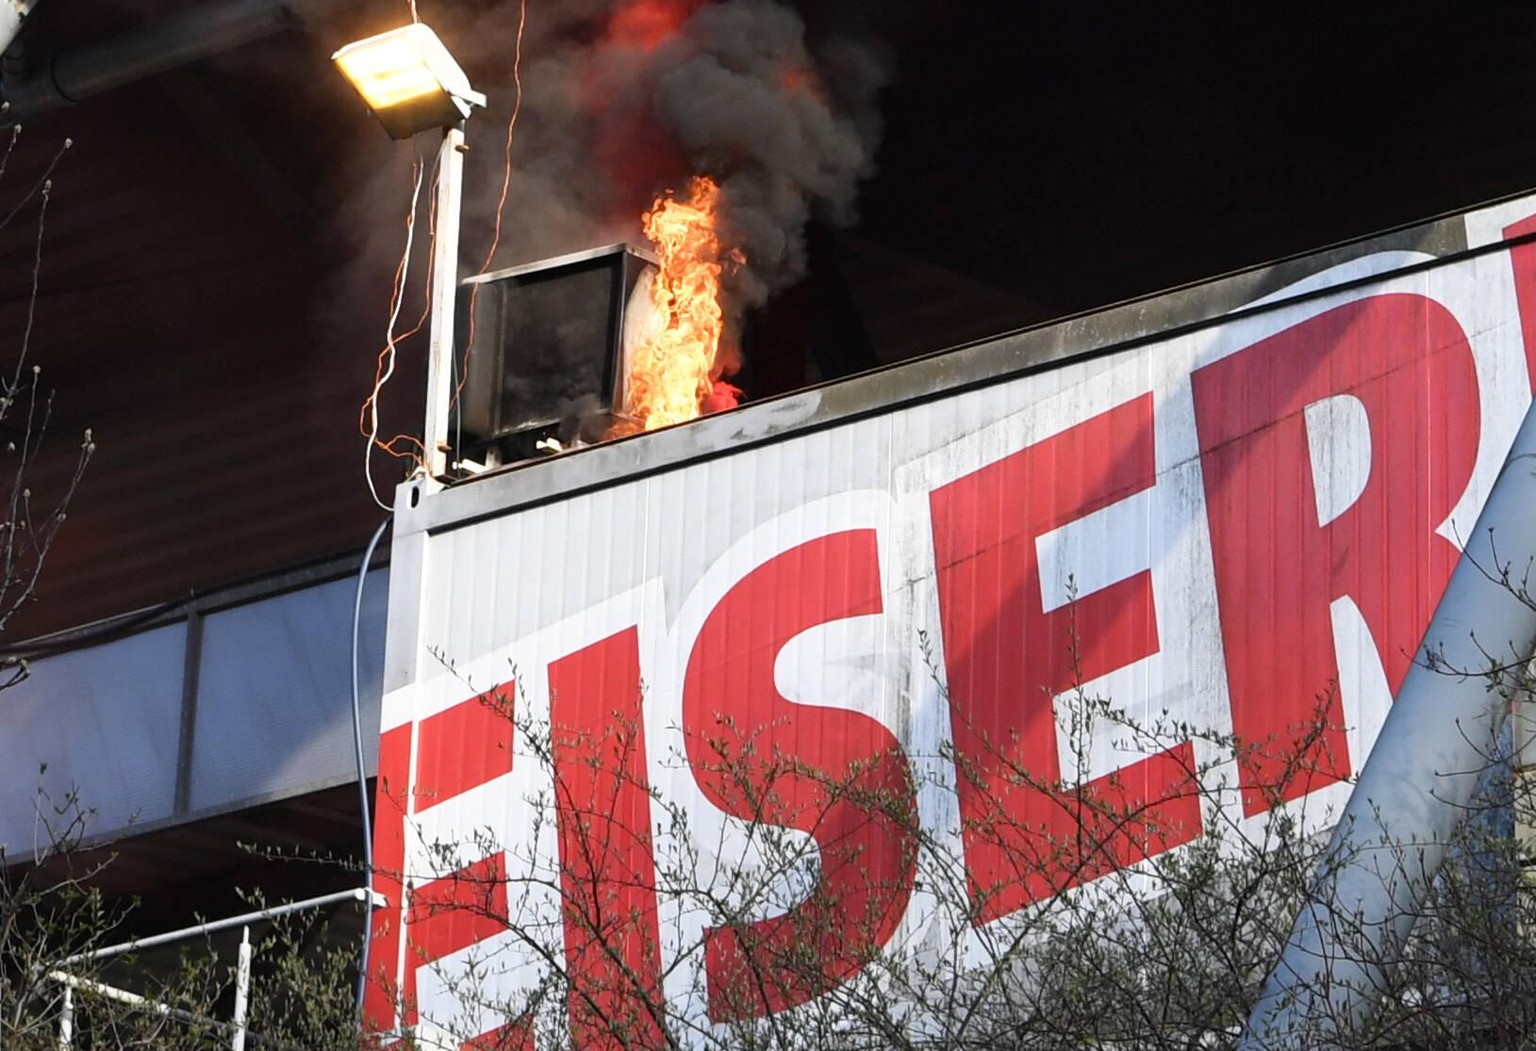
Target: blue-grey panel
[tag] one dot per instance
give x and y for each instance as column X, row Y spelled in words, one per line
column 105, row 722
column 274, row 715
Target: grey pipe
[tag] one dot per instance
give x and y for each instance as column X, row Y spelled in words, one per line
column 1416, row 784
column 72, row 75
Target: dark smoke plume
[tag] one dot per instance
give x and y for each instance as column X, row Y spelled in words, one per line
column 624, row 99
column 746, row 100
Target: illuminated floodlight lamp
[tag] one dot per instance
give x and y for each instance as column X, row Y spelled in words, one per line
column 409, row 80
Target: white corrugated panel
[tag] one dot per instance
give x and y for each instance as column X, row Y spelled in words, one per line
column 1214, row 529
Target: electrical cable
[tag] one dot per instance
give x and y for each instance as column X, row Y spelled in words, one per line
column 362, row 774
column 385, row 367
column 517, row 107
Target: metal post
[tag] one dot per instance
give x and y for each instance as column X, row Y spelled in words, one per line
column 191, row 677
column 67, row 1020
column 242, row 989
column 445, row 282
column 1416, row 783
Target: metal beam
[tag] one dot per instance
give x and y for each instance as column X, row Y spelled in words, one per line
column 69, row 76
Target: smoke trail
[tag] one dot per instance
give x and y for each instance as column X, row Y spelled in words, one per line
column 623, row 99
column 748, row 102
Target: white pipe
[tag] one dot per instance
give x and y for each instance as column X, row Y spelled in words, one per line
column 242, row 990
column 71, row 982
column 67, row 1019
column 209, row 29
column 362, row 894
column 122, row 996
column 1416, row 784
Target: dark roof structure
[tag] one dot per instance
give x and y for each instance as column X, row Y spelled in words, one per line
column 215, row 266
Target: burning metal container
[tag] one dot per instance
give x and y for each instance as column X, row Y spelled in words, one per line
column 546, row 359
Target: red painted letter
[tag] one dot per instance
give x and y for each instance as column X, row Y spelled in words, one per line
column 607, row 867
column 837, row 775
column 459, row 748
column 1522, row 260
column 1026, row 836
column 382, row 991
column 1407, row 362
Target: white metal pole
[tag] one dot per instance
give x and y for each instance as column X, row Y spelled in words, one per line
column 445, row 281
column 1416, row 784
column 242, row 989
column 67, row 1020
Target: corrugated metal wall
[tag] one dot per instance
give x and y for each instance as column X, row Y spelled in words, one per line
column 1211, row 517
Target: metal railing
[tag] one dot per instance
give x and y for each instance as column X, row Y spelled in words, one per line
column 235, row 1027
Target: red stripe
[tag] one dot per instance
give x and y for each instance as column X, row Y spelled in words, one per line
column 607, row 864
column 465, row 746
column 388, row 862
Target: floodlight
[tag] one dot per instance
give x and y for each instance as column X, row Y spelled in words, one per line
column 409, row 80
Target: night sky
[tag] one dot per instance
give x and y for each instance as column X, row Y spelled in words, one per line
column 1080, row 153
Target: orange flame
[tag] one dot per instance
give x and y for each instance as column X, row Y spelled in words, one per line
column 672, row 369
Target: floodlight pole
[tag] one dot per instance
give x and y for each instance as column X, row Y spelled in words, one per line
column 445, row 281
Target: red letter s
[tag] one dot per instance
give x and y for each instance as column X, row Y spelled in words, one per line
column 837, row 775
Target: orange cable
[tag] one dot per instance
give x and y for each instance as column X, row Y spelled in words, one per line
column 368, row 415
